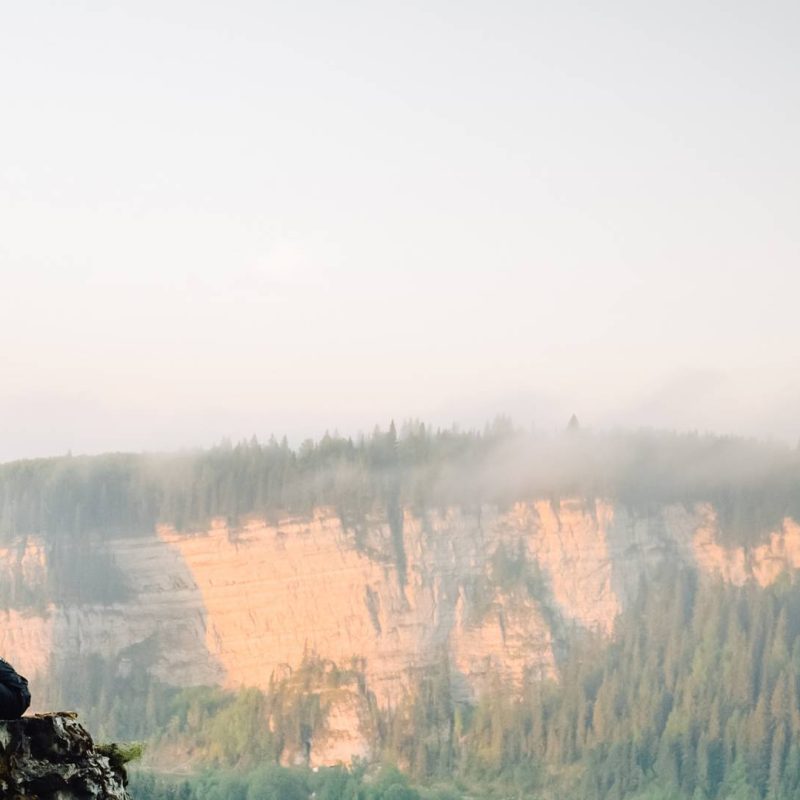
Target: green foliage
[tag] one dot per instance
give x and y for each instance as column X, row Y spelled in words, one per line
column 278, row 783
column 121, row 754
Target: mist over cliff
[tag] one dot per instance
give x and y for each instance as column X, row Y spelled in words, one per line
column 128, row 494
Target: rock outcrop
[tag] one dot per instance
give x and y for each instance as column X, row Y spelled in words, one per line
column 52, row 757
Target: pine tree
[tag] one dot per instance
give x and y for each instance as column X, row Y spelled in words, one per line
column 776, row 762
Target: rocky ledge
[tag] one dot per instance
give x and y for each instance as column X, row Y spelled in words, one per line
column 53, row 757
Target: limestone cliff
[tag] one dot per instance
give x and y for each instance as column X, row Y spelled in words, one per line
column 489, row 591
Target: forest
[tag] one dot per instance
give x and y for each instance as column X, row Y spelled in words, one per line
column 753, row 485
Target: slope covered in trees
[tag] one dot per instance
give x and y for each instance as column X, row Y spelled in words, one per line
column 696, row 696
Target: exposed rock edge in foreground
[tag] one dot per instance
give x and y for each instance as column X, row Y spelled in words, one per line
column 53, row 757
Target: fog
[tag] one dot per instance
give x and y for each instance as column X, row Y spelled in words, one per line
column 752, row 486
column 218, row 220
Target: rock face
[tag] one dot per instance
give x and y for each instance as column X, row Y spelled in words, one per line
column 52, row 757
column 489, row 592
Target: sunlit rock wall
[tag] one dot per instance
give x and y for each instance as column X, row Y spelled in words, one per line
column 233, row 606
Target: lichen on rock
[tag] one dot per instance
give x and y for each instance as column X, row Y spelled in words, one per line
column 53, row 757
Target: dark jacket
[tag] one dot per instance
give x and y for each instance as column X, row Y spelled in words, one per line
column 16, row 686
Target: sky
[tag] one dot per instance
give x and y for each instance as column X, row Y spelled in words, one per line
column 226, row 219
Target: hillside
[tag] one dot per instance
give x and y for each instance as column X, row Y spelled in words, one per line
column 610, row 611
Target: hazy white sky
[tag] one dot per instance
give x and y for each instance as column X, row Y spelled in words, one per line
column 245, row 217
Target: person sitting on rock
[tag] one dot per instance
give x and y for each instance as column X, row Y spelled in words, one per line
column 14, row 695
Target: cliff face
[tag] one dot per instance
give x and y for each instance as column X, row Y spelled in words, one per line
column 52, row 757
column 488, row 592
column 762, row 564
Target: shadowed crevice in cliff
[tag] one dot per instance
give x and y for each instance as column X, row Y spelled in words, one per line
column 394, row 515
column 641, row 544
